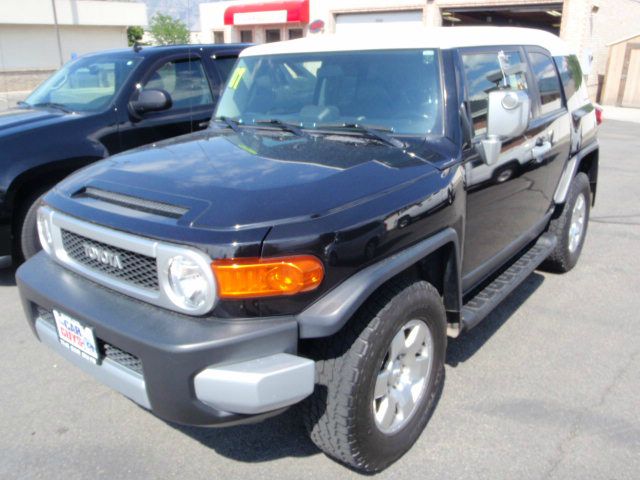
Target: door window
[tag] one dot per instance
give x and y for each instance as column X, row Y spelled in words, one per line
column 185, row 81
column 295, row 33
column 218, row 36
column 548, row 82
column 273, row 35
column 570, row 74
column 224, row 66
column 483, row 75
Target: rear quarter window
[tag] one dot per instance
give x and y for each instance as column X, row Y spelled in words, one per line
column 570, row 74
column 546, row 77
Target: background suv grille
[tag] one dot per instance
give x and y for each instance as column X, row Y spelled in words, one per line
column 137, row 269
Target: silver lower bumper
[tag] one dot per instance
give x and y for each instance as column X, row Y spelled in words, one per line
column 121, row 379
column 256, row 386
column 251, row 387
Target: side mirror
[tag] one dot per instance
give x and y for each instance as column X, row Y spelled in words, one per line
column 151, row 100
column 507, row 117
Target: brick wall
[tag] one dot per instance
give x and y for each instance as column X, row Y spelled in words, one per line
column 22, row 80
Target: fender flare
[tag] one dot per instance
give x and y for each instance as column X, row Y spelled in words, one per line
column 52, row 169
column 570, row 170
column 331, row 312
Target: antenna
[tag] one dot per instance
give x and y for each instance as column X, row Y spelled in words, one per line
column 190, row 64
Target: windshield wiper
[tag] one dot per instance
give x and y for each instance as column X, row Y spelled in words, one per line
column 372, row 131
column 230, row 122
column 288, row 127
column 59, row 106
column 22, row 103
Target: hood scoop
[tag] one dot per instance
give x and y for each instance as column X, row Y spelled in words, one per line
column 133, row 203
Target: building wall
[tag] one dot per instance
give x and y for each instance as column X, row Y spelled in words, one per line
column 28, row 41
column 35, row 47
column 73, row 12
column 212, row 18
column 615, row 20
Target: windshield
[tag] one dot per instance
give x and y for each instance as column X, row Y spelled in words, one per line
column 395, row 90
column 85, row 84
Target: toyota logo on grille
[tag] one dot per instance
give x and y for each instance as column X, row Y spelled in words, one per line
column 103, row 256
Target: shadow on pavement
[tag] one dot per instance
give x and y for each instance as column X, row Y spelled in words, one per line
column 7, row 273
column 278, row 437
column 462, row 348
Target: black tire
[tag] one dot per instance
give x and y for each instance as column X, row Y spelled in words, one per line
column 26, row 240
column 563, row 258
column 339, row 415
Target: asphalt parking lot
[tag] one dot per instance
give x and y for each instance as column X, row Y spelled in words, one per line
column 547, row 387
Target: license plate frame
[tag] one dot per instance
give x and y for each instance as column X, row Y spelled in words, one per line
column 76, row 337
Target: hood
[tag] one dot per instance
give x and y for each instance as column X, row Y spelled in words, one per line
column 20, row 118
column 247, row 180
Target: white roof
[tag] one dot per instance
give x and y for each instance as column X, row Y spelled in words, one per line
column 412, row 37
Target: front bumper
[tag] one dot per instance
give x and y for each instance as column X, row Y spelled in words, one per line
column 194, row 371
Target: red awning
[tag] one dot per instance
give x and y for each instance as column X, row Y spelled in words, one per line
column 291, row 11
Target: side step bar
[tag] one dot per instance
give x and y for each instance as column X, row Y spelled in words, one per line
column 477, row 308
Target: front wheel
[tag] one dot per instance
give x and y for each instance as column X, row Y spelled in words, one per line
column 379, row 377
column 570, row 227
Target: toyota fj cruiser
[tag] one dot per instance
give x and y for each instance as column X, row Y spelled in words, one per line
column 353, row 203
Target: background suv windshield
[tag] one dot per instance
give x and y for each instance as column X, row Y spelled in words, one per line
column 396, row 89
column 86, row 84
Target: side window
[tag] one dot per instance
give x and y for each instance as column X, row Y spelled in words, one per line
column 483, row 75
column 548, row 82
column 570, row 74
column 225, row 66
column 185, row 81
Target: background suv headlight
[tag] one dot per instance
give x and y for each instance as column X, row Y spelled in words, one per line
column 44, row 229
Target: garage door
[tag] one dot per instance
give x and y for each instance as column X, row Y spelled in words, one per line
column 355, row 22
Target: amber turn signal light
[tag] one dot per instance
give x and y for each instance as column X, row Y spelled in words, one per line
column 266, row 277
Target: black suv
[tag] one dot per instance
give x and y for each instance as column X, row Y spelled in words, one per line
column 352, row 204
column 95, row 106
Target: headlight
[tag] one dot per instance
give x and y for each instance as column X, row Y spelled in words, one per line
column 44, row 229
column 189, row 286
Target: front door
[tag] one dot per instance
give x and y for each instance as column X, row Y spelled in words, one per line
column 506, row 201
column 185, row 80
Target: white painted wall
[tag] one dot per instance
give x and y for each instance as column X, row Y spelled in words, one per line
column 73, row 12
column 354, row 23
column 212, row 18
column 35, row 47
column 28, row 38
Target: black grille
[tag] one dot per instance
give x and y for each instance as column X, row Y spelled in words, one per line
column 123, row 358
column 137, row 269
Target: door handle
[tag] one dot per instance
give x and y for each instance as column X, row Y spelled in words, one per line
column 540, row 150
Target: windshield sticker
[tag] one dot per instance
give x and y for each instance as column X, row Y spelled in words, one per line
column 237, row 77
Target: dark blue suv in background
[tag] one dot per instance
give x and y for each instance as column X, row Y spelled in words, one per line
column 95, row 106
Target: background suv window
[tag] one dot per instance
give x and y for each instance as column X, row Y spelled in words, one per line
column 185, row 81
column 483, row 75
column 548, row 82
column 86, row 84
